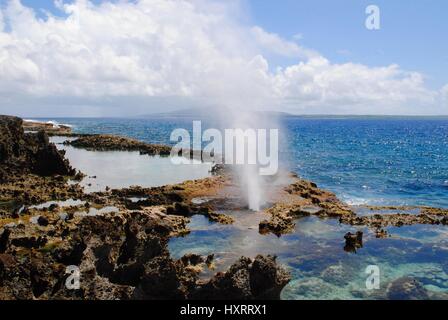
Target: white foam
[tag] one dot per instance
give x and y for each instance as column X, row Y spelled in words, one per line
column 55, row 124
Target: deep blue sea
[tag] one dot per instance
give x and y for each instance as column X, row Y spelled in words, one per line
column 381, row 161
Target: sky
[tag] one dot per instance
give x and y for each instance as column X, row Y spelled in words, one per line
column 127, row 58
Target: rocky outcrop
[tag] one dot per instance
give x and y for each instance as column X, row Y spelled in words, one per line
column 379, row 221
column 102, row 142
column 115, row 143
column 247, row 279
column 28, row 153
column 112, row 253
column 48, row 127
column 305, row 199
column 353, row 241
column 277, row 224
column 329, row 204
column 182, row 193
column 123, row 255
column 27, row 160
column 30, row 189
column 188, row 210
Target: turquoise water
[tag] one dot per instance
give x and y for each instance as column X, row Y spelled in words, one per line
column 314, row 254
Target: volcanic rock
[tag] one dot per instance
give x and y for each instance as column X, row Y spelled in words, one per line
column 116, row 143
column 27, row 152
column 353, row 241
column 247, row 279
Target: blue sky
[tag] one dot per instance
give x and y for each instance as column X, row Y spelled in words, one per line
column 297, row 56
column 413, row 34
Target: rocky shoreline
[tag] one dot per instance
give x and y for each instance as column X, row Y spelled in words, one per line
column 114, row 143
column 122, row 253
column 48, row 127
column 311, row 200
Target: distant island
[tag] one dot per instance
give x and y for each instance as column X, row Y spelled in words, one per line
column 206, row 113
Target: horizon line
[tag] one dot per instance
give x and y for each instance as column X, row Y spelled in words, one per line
column 282, row 114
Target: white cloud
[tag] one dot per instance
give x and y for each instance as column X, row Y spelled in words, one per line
column 183, row 49
column 353, row 88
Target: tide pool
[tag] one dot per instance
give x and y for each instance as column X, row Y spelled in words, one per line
column 121, row 169
column 314, row 254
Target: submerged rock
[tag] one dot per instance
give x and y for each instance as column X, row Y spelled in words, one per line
column 338, row 274
column 406, row 288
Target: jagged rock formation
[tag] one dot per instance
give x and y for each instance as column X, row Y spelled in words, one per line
column 32, row 170
column 28, row 153
column 122, row 256
column 247, row 279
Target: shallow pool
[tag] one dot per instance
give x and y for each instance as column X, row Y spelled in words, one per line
column 121, row 169
column 314, row 254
